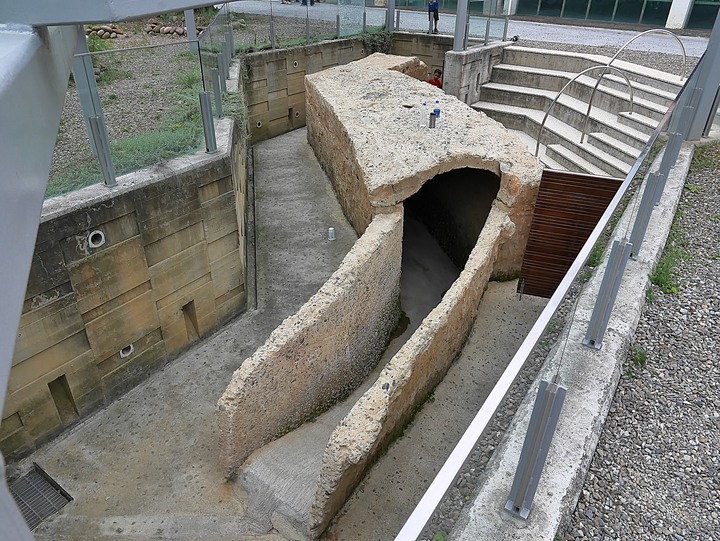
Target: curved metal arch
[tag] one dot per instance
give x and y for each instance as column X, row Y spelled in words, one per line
column 655, row 31
column 621, row 49
column 583, row 72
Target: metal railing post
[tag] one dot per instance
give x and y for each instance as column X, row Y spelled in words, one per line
column 217, row 93
column 99, row 134
column 230, row 40
column 608, row 292
column 220, row 58
column 642, row 219
column 208, row 122
column 191, row 27
column 543, row 422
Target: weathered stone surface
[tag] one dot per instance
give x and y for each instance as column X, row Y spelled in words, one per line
column 321, row 353
column 406, row 380
column 373, row 140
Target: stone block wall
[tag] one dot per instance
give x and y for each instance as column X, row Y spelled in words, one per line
column 122, row 280
column 428, row 48
column 275, row 88
column 383, row 411
column 322, row 353
column 466, row 71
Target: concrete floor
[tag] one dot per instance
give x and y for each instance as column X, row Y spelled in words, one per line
column 146, row 468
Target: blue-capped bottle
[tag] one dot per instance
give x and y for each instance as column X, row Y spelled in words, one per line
column 437, row 109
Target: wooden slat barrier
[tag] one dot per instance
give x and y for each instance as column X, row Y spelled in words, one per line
column 567, row 209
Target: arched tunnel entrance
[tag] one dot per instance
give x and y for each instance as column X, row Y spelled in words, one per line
column 442, row 223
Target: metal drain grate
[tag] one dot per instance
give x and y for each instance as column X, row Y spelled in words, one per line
column 38, row 496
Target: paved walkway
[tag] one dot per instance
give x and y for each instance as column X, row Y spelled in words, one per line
column 413, row 20
column 147, row 466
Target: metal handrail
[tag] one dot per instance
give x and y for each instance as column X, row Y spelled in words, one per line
column 583, row 72
column 655, row 31
column 597, row 84
column 436, row 491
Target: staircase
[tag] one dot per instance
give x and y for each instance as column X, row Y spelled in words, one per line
column 524, row 84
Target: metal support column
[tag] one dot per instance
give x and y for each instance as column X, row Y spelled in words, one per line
column 220, row 58
column 390, row 16
column 708, row 82
column 34, row 70
column 208, row 122
column 609, row 287
column 84, row 76
column 217, row 91
column 100, row 138
column 541, row 428
column 461, row 21
column 644, row 213
column 230, row 39
column 191, row 29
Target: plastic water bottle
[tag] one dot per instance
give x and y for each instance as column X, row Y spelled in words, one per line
column 437, row 109
column 424, row 114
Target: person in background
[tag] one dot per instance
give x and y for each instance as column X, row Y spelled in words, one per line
column 433, row 14
column 436, row 79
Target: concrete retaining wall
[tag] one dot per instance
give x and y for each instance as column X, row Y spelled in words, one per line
column 466, row 71
column 408, row 378
column 319, row 355
column 122, row 280
column 275, row 88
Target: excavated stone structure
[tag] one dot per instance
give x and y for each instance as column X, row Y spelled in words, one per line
column 369, row 130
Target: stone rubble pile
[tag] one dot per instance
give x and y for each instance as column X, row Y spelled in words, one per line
column 168, row 29
column 104, row 31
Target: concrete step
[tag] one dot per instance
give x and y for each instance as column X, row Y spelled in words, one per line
column 638, row 122
column 572, row 112
column 606, row 99
column 575, row 162
column 542, row 151
column 577, row 62
column 604, row 142
column 555, row 132
column 610, row 95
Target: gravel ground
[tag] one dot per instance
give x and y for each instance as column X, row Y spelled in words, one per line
column 655, row 471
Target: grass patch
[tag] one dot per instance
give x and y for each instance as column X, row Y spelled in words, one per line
column 675, row 250
column 705, row 157
column 638, row 359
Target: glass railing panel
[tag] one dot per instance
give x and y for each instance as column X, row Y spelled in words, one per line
column 73, row 164
column 478, row 28
column 351, row 13
column 498, row 26
column 158, row 118
column 149, row 103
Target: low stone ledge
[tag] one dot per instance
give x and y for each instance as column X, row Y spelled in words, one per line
column 319, row 355
column 407, row 379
